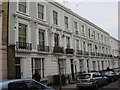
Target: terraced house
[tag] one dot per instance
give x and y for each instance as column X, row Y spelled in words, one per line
column 54, row 40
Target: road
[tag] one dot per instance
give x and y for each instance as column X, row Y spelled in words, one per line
column 112, row 86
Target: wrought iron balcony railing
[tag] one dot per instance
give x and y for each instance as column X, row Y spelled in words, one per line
column 58, row 49
column 21, row 45
column 69, row 51
column 43, row 48
column 92, row 54
column 79, row 52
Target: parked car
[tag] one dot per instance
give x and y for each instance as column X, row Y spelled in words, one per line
column 21, row 84
column 111, row 75
column 93, row 79
column 117, row 71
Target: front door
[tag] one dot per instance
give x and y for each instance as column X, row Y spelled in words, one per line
column 72, row 69
column 18, row 68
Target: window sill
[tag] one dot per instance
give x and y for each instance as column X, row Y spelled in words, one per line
column 26, row 14
column 40, row 19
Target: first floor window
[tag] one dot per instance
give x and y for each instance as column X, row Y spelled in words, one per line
column 56, row 39
column 22, row 29
column 38, row 64
column 68, row 42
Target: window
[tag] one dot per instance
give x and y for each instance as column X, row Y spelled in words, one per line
column 81, row 64
column 38, row 64
column 84, row 46
column 83, row 29
column 77, row 44
column 94, row 65
column 75, row 26
column 22, row 35
column 56, row 39
column 89, row 33
column 94, row 34
column 68, row 42
column 102, row 64
column 62, row 66
column 101, row 37
column 66, row 22
column 31, row 84
column 17, row 85
column 41, row 38
column 55, row 18
column 40, row 11
column 105, row 40
column 98, row 36
column 23, row 7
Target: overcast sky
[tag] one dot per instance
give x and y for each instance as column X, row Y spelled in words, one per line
column 103, row 13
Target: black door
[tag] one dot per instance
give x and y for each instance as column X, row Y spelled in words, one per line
column 18, row 68
column 72, row 69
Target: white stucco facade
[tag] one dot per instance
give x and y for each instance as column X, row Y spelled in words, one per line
column 88, row 51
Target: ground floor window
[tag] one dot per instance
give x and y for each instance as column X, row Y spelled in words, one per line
column 94, row 65
column 62, row 66
column 81, row 65
column 38, row 64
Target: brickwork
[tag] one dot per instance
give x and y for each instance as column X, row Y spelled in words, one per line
column 3, row 41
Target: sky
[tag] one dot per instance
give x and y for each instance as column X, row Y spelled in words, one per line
column 103, row 13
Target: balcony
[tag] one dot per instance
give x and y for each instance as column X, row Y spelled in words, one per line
column 25, row 46
column 43, row 48
column 69, row 51
column 92, row 54
column 85, row 53
column 58, row 49
column 79, row 52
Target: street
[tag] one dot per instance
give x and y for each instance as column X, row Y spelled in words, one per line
column 112, row 86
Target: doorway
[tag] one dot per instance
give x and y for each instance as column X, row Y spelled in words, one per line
column 17, row 68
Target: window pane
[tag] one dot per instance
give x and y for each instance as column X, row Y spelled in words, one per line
column 22, row 7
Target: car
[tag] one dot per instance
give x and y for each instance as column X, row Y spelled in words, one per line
column 93, row 79
column 20, row 84
column 111, row 75
column 117, row 71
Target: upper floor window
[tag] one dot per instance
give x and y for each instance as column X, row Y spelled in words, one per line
column 83, row 29
column 77, row 44
column 68, row 42
column 23, row 7
column 75, row 26
column 101, row 37
column 56, row 39
column 94, row 34
column 55, row 18
column 105, row 39
column 84, row 46
column 40, row 11
column 89, row 33
column 66, row 22
column 41, row 38
column 98, row 36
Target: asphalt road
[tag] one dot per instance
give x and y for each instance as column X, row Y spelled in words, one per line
column 112, row 86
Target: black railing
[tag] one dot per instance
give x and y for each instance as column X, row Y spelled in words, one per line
column 21, row 45
column 79, row 52
column 92, row 54
column 58, row 49
column 69, row 51
column 43, row 48
column 85, row 53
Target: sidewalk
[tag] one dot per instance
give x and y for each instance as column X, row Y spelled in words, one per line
column 71, row 86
